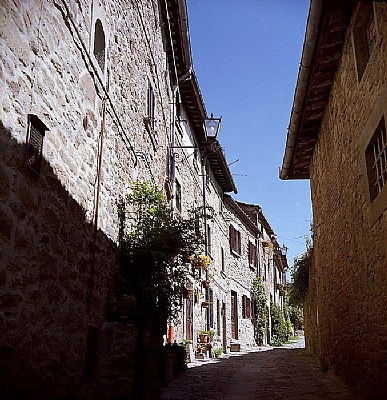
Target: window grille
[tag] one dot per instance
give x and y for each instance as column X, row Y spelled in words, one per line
column 371, row 33
column 364, row 36
column 376, row 158
column 34, row 143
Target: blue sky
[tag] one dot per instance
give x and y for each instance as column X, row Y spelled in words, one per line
column 246, row 55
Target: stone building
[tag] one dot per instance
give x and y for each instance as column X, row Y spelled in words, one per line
column 87, row 88
column 95, row 95
column 337, row 139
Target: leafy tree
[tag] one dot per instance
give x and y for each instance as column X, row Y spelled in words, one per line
column 157, row 247
column 278, row 325
column 300, row 276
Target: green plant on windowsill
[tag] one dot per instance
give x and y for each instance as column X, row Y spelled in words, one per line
column 210, row 333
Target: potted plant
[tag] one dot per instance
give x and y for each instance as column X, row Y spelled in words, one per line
column 203, row 336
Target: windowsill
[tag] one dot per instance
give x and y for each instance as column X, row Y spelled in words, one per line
column 378, row 206
column 234, row 253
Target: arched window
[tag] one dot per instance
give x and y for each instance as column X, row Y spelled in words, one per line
column 99, row 44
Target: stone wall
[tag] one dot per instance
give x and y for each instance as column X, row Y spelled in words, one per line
column 56, row 269
column 349, row 272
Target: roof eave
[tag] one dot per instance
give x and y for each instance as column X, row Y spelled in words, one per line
column 304, row 73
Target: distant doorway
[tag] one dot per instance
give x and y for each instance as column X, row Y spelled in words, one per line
column 234, row 315
column 224, row 323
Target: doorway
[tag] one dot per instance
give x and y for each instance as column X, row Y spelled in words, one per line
column 234, row 315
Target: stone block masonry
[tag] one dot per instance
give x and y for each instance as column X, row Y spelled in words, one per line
column 348, row 277
column 56, row 270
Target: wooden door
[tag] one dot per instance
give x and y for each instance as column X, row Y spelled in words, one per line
column 234, row 315
column 189, row 319
column 224, row 328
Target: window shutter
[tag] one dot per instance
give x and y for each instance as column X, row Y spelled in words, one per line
column 231, row 237
column 248, row 310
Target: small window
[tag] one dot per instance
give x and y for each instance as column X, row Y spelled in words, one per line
column 246, row 307
column 178, row 195
column 235, row 240
column 99, row 45
column 34, row 143
column 222, row 259
column 253, row 259
column 364, row 36
column 376, row 160
column 150, row 117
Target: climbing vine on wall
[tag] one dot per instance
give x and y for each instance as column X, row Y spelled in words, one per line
column 260, row 309
column 300, row 276
column 157, row 248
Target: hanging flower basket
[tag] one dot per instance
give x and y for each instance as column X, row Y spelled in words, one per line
column 202, row 261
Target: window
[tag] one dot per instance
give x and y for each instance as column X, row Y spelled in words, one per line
column 376, row 160
column 246, row 307
column 178, row 195
column 235, row 240
column 253, row 259
column 150, row 113
column 99, row 50
column 34, row 143
column 209, row 240
column 363, row 36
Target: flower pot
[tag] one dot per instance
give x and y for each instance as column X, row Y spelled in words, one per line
column 203, row 338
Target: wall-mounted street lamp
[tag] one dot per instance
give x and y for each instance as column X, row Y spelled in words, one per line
column 281, row 250
column 212, row 126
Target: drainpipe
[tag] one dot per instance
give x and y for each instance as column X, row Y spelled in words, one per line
column 311, row 35
column 96, row 212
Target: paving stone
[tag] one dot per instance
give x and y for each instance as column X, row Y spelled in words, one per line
column 261, row 374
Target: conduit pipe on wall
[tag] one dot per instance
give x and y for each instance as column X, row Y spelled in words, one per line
column 304, row 72
column 96, row 211
column 67, row 16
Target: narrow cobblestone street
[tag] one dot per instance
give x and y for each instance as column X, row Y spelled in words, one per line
column 285, row 373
